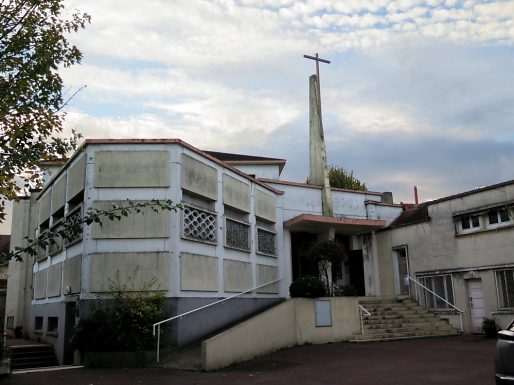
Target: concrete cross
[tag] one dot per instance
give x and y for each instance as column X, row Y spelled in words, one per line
column 317, row 59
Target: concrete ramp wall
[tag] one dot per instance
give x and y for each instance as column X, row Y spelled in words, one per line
column 291, row 323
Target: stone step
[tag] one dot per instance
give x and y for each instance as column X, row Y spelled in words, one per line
column 385, row 325
column 357, row 341
column 410, row 334
column 403, row 329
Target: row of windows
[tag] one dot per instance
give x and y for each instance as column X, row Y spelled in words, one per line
column 52, row 325
column 491, row 219
column 200, row 225
column 442, row 285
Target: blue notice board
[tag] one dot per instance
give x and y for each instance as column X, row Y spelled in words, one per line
column 323, row 312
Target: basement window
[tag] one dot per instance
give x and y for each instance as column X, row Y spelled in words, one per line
column 38, row 325
column 505, row 285
column 53, row 325
column 441, row 285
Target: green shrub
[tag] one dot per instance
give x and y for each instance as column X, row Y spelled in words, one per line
column 308, row 287
column 345, row 291
column 124, row 326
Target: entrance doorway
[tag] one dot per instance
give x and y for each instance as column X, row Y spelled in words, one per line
column 401, row 271
column 476, row 303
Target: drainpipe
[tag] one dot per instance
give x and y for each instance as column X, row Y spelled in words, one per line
column 416, row 195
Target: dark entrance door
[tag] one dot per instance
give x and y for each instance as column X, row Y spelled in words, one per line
column 356, row 265
column 301, row 244
column 69, row 324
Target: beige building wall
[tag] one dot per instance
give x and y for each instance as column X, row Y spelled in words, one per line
column 265, row 206
column 76, row 177
column 132, row 169
column 198, row 272
column 199, row 178
column 288, row 324
column 237, row 276
column 132, row 271
column 54, row 280
column 147, row 224
column 236, row 194
column 267, row 274
column 72, row 270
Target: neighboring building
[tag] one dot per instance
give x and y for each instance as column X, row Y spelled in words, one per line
column 5, row 241
column 240, row 228
column 462, row 248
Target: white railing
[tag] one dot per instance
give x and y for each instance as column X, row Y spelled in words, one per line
column 362, row 310
column 419, row 285
column 180, row 316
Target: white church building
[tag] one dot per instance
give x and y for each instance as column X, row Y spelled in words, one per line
column 240, row 228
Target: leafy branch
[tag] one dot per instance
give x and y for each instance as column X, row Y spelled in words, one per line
column 71, row 228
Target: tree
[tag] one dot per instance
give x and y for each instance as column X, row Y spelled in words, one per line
column 33, row 47
column 341, row 178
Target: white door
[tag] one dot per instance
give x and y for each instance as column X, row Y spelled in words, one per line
column 401, row 271
column 476, row 303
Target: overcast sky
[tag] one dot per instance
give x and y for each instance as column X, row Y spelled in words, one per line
column 417, row 92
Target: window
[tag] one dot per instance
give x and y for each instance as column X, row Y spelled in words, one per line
column 198, row 224
column 237, row 234
column 38, row 325
column 498, row 217
column 505, row 285
column 55, row 243
column 442, row 286
column 53, row 325
column 9, row 323
column 73, row 219
column 41, row 247
column 470, row 222
column 266, row 242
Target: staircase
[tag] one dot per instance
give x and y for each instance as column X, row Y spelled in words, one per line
column 32, row 356
column 399, row 318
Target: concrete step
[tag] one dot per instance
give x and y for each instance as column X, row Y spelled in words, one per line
column 32, row 356
column 403, row 329
column 357, row 341
column 378, row 336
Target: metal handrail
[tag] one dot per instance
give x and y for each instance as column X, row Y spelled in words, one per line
column 441, row 298
column 362, row 310
column 180, row 316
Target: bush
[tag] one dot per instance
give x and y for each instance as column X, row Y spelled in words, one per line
column 345, row 291
column 307, row 287
column 124, row 326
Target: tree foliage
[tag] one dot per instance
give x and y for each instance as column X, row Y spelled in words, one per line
column 33, row 47
column 341, row 178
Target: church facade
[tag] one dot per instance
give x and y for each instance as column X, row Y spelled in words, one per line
column 239, row 228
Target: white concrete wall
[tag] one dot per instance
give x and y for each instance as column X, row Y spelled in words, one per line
column 265, row 171
column 285, row 325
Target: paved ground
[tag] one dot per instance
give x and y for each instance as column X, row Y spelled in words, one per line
column 451, row 360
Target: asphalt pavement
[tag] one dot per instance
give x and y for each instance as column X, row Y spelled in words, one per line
column 466, row 360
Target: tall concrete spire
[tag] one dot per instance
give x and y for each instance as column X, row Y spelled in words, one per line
column 318, row 156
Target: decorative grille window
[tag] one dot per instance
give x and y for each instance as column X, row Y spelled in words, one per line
column 199, row 224
column 266, row 242
column 55, row 243
column 441, row 285
column 505, row 284
column 75, row 233
column 237, row 234
column 41, row 249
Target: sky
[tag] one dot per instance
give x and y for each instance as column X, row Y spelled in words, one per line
column 418, row 92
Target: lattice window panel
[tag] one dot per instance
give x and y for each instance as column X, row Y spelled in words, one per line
column 441, row 285
column 237, row 234
column 199, row 224
column 74, row 218
column 41, row 250
column 505, row 283
column 55, row 244
column 266, row 242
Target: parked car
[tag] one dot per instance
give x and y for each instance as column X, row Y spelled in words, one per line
column 504, row 356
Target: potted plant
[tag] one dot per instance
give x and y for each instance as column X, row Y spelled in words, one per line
column 490, row 327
